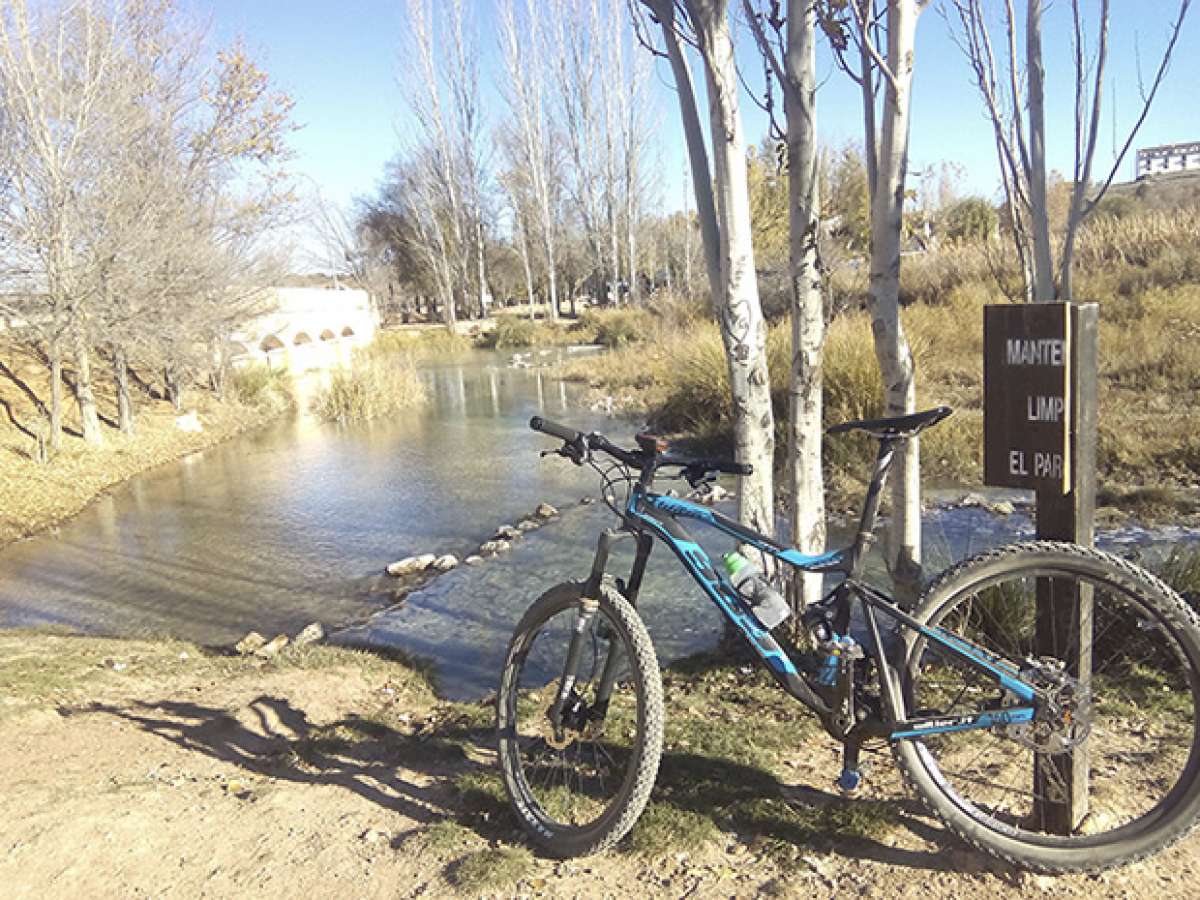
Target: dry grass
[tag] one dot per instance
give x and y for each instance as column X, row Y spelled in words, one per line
column 1143, row 270
column 680, row 378
column 424, row 343
column 373, row 386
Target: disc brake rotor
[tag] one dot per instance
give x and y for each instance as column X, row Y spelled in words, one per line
column 1063, row 720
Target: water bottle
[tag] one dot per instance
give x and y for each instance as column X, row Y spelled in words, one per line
column 766, row 603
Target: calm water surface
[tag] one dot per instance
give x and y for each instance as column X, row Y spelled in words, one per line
column 295, row 523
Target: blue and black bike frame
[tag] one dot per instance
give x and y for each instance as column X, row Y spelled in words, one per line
column 649, row 515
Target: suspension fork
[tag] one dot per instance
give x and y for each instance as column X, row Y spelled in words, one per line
column 589, row 605
column 609, row 676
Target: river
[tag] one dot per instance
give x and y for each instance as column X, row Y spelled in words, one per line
column 295, row 523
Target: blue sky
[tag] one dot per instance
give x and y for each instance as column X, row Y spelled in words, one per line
column 340, row 63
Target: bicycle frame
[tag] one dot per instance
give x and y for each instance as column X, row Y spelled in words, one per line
column 650, row 515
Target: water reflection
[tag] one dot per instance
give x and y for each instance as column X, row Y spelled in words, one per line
column 296, row 522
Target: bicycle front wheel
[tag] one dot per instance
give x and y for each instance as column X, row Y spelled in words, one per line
column 579, row 784
column 1109, row 771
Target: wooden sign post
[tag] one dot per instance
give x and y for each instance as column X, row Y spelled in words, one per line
column 1039, row 422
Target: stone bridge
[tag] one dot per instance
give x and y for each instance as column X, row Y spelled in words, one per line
column 304, row 325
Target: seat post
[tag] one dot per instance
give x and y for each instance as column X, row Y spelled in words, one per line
column 870, row 511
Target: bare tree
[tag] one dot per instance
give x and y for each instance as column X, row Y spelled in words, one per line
column 791, row 56
column 56, row 78
column 739, row 312
column 578, row 60
column 664, row 14
column 1016, row 108
column 855, row 30
column 445, row 103
column 526, row 52
column 126, row 159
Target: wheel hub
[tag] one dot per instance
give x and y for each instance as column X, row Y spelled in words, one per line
column 575, row 721
column 1063, row 718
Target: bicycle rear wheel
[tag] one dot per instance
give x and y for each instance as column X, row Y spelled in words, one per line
column 1124, row 735
column 579, row 788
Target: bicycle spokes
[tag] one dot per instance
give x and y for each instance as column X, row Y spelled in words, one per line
column 575, row 757
column 1116, row 711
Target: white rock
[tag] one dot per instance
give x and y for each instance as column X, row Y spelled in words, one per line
column 710, row 493
column 473, row 560
column 311, row 634
column 189, row 423
column 445, row 563
column 507, row 533
column 411, row 564
column 545, row 511
column 1001, row 508
column 528, row 525
column 272, row 647
column 249, row 643
column 489, row 548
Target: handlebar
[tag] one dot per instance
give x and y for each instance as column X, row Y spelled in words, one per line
column 578, row 444
column 570, row 435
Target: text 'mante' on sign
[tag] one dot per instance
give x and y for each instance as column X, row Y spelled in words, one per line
column 1027, row 396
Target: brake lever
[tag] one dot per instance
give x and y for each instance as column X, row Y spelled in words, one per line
column 566, row 451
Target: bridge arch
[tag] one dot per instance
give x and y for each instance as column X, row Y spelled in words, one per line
column 269, row 343
column 327, row 335
column 302, row 338
column 347, row 331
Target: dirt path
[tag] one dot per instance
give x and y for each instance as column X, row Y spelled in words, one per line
column 136, row 769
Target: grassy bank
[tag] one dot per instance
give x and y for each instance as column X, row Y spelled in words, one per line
column 1143, row 271
column 38, row 496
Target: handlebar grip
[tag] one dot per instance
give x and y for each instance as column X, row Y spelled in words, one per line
column 537, row 423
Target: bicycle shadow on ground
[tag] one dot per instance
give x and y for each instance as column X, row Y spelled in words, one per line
column 273, row 739
column 442, row 769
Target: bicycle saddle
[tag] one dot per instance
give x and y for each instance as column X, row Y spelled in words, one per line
column 897, row 426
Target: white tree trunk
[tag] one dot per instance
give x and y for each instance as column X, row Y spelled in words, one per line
column 805, row 432
column 1043, row 263
column 693, row 134
column 743, row 328
column 85, row 396
column 891, row 344
column 523, row 244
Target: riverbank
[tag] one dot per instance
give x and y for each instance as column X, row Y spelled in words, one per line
column 41, row 496
column 156, row 768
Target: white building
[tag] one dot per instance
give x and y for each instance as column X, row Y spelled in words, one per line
column 1168, row 158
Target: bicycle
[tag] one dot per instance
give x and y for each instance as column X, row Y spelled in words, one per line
column 1056, row 758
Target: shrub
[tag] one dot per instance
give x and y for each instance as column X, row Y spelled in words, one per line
column 370, row 388
column 511, row 332
column 1181, row 570
column 260, row 386
column 970, row 219
column 616, row 327
column 419, row 344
